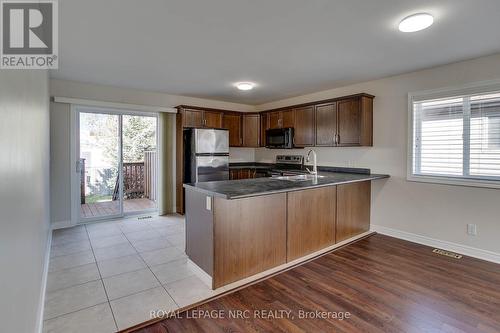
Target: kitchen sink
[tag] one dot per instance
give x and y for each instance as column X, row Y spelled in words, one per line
column 298, row 178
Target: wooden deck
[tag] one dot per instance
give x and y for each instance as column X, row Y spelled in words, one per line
column 386, row 285
column 107, row 208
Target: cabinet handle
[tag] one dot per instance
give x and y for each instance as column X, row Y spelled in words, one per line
column 338, row 138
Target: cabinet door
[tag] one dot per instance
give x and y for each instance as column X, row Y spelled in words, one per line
column 275, row 120
column 349, row 122
column 311, row 221
column 264, row 125
column 251, row 130
column 353, row 210
column 304, row 126
column 287, row 118
column 233, row 174
column 212, row 119
column 326, row 124
column 192, row 118
column 232, row 122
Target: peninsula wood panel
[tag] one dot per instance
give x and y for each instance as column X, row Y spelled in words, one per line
column 353, row 209
column 199, row 230
column 249, row 236
column 311, row 221
column 251, row 130
column 232, row 122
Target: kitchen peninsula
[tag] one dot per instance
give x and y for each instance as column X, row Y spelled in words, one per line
column 238, row 228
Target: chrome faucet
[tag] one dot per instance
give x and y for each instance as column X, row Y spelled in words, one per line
column 315, row 164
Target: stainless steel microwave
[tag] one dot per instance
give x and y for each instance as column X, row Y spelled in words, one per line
column 279, row 138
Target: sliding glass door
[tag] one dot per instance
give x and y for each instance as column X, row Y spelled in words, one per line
column 139, row 163
column 117, row 163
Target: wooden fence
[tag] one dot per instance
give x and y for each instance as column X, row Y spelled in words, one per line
column 150, row 175
column 139, row 179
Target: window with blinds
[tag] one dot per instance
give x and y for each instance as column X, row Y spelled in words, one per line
column 457, row 137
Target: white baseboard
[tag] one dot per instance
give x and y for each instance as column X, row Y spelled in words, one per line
column 41, row 304
column 61, row 225
column 445, row 245
column 200, row 273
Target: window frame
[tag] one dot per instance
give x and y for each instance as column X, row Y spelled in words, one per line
column 482, row 87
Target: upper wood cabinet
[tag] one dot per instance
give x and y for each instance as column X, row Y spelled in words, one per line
column 281, row 119
column 348, row 122
column 326, row 124
column 345, row 123
column 192, row 118
column 264, row 121
column 251, row 130
column 232, row 122
column 212, row 119
column 200, row 118
column 304, row 126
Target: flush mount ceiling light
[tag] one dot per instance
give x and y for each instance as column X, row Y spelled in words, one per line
column 245, row 85
column 416, row 22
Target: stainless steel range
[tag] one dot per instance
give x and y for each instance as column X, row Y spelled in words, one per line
column 288, row 165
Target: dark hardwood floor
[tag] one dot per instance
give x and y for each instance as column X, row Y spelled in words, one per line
column 386, row 284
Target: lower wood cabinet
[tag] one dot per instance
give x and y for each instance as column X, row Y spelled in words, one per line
column 311, row 221
column 242, row 173
column 250, row 236
column 353, row 210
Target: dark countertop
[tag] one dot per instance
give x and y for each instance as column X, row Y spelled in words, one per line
column 250, row 165
column 243, row 188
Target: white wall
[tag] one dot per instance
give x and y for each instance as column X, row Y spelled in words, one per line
column 60, row 166
column 436, row 211
column 241, row 155
column 24, row 196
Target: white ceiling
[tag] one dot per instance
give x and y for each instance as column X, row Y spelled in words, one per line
column 288, row 47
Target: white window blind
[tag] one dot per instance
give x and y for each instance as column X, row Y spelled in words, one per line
column 457, row 137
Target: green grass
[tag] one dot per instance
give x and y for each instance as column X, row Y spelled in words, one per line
column 93, row 198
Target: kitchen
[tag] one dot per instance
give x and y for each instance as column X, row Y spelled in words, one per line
column 292, row 209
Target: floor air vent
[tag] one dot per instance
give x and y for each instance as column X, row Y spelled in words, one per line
column 144, row 217
column 447, row 253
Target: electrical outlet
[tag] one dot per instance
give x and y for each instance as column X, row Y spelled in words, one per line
column 472, row 229
column 209, row 203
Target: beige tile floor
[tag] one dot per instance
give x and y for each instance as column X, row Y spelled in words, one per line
column 108, row 276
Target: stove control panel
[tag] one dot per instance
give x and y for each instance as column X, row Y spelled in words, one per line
column 290, row 159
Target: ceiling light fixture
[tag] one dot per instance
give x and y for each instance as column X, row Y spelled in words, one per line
column 416, row 22
column 245, row 85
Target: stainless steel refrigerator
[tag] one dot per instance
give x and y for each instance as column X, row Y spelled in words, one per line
column 206, row 155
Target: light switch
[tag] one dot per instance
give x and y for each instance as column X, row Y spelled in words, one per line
column 209, row 203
